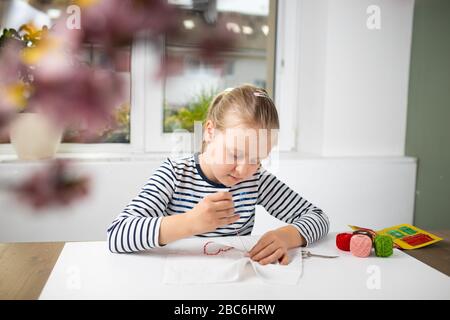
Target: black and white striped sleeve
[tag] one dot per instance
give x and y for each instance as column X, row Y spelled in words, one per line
column 288, row 206
column 137, row 227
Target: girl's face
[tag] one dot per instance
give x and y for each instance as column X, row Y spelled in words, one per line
column 235, row 154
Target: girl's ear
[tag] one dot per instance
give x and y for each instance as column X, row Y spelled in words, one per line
column 209, row 131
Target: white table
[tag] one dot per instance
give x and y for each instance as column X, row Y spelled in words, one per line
column 87, row 270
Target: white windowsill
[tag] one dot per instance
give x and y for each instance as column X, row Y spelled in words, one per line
column 131, row 157
column 88, row 157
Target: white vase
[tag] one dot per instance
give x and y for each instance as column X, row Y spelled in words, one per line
column 34, row 136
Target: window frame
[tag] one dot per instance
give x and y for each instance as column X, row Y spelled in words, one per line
column 136, row 144
column 287, row 72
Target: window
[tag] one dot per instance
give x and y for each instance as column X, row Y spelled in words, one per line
column 187, row 95
column 183, row 98
column 15, row 13
column 118, row 131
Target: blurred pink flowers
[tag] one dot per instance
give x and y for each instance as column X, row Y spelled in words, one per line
column 217, row 40
column 83, row 95
column 53, row 186
column 115, row 22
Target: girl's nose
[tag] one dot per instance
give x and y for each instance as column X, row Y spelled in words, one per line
column 241, row 170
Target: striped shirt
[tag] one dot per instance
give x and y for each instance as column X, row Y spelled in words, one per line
column 179, row 184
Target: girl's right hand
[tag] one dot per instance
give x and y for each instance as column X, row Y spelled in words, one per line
column 212, row 212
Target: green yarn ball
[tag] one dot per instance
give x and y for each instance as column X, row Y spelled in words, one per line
column 384, row 246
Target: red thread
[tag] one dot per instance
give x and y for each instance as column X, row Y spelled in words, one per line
column 343, row 241
column 365, row 232
column 205, row 251
column 370, row 231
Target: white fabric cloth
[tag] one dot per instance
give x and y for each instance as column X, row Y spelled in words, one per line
column 190, row 265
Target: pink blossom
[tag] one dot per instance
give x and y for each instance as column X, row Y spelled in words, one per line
column 116, row 22
column 83, row 95
column 53, row 186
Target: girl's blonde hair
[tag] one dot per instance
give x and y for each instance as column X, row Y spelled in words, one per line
column 252, row 106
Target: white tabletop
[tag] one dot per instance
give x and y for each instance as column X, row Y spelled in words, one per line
column 87, row 270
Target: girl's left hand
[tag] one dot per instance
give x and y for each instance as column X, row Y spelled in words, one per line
column 271, row 247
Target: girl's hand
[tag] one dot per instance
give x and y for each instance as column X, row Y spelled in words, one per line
column 271, row 247
column 212, row 212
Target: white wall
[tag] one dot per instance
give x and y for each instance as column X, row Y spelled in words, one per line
column 354, row 81
column 312, row 72
column 374, row 193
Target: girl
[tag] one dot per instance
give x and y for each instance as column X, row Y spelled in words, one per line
column 214, row 193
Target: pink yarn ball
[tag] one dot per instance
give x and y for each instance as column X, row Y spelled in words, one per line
column 360, row 245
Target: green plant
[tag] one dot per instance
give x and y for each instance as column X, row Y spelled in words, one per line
column 184, row 117
column 28, row 35
column 116, row 132
column 9, row 34
column 120, row 133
